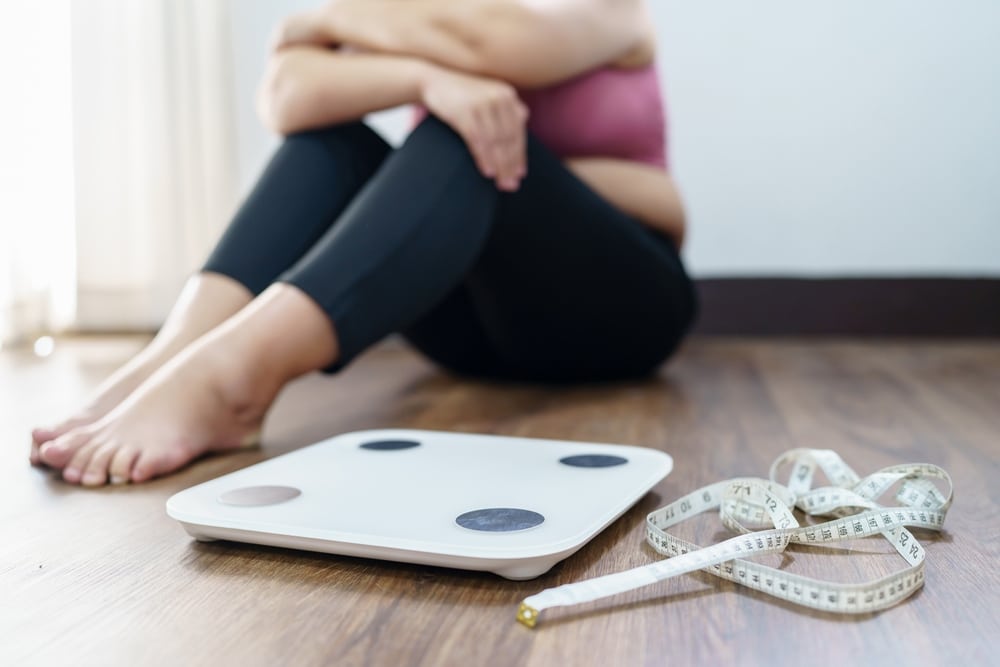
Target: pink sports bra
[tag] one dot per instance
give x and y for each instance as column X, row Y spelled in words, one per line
column 607, row 112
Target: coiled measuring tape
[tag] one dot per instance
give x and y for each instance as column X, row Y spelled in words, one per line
column 760, row 510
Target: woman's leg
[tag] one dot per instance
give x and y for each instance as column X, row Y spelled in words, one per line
column 568, row 288
column 212, row 396
column 402, row 244
column 205, row 300
column 406, row 242
column 307, row 184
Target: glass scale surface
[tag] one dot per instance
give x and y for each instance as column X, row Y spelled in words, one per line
column 508, row 505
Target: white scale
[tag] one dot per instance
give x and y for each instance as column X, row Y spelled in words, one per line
column 513, row 506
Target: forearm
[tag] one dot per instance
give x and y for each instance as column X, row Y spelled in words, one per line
column 524, row 42
column 309, row 87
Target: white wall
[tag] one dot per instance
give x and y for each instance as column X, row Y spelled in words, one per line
column 252, row 24
column 836, row 138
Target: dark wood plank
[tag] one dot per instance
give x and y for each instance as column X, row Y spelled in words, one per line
column 106, row 577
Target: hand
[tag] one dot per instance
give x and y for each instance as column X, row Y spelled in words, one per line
column 488, row 115
column 304, row 28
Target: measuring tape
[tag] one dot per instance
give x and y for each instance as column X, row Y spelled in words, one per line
column 760, row 510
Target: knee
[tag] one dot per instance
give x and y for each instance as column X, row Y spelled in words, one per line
column 438, row 141
column 353, row 145
column 433, row 126
column 434, row 160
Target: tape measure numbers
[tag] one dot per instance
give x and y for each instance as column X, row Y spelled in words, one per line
column 760, row 511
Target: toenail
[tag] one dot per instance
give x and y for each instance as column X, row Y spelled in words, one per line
column 117, row 479
column 92, row 478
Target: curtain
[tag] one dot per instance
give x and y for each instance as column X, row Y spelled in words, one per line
column 155, row 152
column 37, row 260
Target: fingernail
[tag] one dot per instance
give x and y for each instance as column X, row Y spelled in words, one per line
column 509, row 183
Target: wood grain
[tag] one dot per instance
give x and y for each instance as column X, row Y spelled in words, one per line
column 105, row 577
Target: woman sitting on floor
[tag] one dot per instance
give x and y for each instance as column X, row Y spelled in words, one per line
column 527, row 229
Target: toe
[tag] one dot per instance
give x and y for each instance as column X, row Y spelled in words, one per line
column 157, row 462
column 40, row 436
column 73, row 472
column 96, row 472
column 145, row 467
column 35, row 457
column 57, row 453
column 120, row 470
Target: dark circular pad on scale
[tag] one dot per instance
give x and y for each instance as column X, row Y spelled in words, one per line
column 390, row 445
column 499, row 519
column 593, row 461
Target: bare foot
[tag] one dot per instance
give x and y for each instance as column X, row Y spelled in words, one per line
column 208, row 398
column 207, row 300
column 108, row 396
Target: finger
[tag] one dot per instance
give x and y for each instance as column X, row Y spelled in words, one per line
column 300, row 28
column 505, row 123
column 474, row 144
column 521, row 140
column 496, row 127
column 473, row 136
column 485, row 131
column 514, row 145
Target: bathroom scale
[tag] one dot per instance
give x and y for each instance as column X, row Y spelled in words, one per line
column 512, row 506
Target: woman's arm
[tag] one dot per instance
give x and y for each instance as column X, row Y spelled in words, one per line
column 307, row 87
column 529, row 43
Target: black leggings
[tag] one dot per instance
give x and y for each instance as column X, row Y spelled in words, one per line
column 550, row 283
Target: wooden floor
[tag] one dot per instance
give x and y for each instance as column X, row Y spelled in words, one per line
column 105, row 577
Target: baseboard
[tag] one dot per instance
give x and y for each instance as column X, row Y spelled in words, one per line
column 932, row 307
column 926, row 307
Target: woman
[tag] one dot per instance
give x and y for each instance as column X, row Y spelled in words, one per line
column 526, row 229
